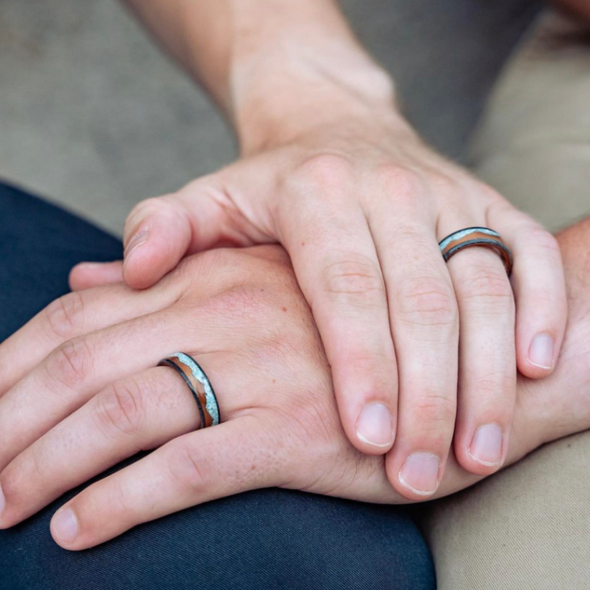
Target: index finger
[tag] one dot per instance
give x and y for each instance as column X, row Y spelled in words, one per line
column 345, row 288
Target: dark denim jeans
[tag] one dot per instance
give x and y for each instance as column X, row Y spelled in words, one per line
column 259, row 540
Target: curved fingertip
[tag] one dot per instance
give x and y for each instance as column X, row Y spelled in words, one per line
column 540, row 328
column 65, row 528
column 538, row 360
column 538, row 350
column 145, row 268
column 156, row 247
column 417, row 477
column 375, row 429
column 94, row 274
column 485, row 452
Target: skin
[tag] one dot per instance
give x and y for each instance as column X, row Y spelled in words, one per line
column 88, row 394
column 330, row 169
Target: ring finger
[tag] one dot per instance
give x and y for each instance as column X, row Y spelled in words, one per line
column 139, row 412
column 81, row 367
column 487, row 366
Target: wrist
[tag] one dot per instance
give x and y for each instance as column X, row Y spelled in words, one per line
column 283, row 92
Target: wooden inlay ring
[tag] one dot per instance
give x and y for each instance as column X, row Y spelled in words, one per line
column 199, row 385
column 472, row 237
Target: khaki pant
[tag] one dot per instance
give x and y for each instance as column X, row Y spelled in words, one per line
column 529, row 526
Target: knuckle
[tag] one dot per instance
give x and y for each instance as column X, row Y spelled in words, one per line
column 445, row 184
column 400, row 181
column 436, row 408
column 325, row 170
column 38, row 468
column 211, row 185
column 121, row 501
column 70, row 364
column 426, row 301
column 64, row 316
column 497, row 386
column 188, row 470
column 487, row 283
column 121, row 409
column 356, row 280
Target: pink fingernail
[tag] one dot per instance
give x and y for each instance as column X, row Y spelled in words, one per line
column 486, row 445
column 541, row 351
column 375, row 425
column 65, row 525
column 420, row 473
column 139, row 239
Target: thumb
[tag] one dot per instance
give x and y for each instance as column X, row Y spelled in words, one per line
column 159, row 232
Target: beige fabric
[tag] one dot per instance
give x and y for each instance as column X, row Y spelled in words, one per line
column 534, row 142
column 529, row 526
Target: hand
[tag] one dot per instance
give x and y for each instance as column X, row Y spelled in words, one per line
column 80, row 391
column 87, row 394
column 359, row 202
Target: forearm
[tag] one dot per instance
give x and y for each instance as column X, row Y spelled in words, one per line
column 267, row 61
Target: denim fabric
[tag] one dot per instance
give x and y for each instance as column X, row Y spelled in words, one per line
column 259, row 540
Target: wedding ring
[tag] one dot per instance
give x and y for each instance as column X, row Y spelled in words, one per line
column 471, row 237
column 199, row 385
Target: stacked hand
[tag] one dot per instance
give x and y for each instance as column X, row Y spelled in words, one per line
column 423, row 354
column 80, row 391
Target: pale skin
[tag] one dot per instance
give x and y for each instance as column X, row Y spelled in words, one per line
column 424, row 355
column 88, row 394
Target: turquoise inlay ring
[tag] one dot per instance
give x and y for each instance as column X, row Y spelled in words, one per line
column 199, row 384
column 476, row 237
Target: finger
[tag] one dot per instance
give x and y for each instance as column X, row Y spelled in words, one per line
column 81, row 367
column 195, row 468
column 539, row 284
column 487, row 367
column 71, row 316
column 425, row 326
column 159, row 232
column 139, row 412
column 337, row 267
column 95, row 274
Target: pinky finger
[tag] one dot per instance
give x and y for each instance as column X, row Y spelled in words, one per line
column 539, row 285
column 190, row 470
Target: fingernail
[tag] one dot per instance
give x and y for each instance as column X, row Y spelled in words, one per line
column 375, row 425
column 139, row 239
column 541, row 351
column 2, row 502
column 420, row 473
column 65, row 525
column 486, row 445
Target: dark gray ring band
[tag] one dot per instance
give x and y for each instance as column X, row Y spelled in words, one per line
column 169, row 363
column 201, row 387
column 470, row 237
